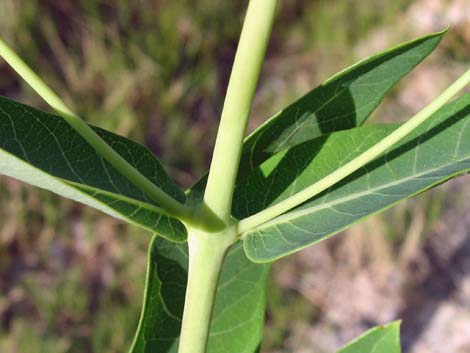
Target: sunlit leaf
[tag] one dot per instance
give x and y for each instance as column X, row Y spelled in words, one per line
column 438, row 150
column 344, row 101
column 380, row 339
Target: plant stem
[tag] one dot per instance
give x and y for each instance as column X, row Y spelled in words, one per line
column 33, row 80
column 350, row 167
column 206, row 256
column 241, row 89
column 207, row 250
column 86, row 132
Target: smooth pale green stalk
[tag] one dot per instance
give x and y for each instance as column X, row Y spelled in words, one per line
column 350, row 167
column 206, row 256
column 207, row 250
column 241, row 89
column 83, row 129
column 33, row 80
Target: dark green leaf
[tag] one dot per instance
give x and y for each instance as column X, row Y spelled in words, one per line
column 344, row 101
column 238, row 317
column 165, row 287
column 380, row 339
column 438, row 150
column 43, row 150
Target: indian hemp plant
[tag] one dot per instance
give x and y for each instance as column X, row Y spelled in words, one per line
column 307, row 173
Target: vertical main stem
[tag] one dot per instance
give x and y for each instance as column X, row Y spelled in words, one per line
column 206, row 256
column 207, row 250
column 241, row 89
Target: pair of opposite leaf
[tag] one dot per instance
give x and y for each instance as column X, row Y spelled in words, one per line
column 302, row 144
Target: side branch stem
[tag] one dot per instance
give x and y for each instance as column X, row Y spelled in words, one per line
column 86, row 132
column 350, row 167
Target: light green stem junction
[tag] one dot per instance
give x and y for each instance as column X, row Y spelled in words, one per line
column 350, row 167
column 241, row 89
column 171, row 205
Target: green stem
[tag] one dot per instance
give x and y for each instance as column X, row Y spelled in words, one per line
column 206, row 256
column 33, row 80
column 90, row 136
column 350, row 167
column 241, row 89
column 207, row 250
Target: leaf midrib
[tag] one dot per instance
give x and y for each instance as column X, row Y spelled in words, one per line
column 119, row 197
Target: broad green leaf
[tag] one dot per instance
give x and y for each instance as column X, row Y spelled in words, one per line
column 343, row 101
column 238, row 318
column 438, row 150
column 43, row 150
column 294, row 169
column 165, row 288
column 380, row 339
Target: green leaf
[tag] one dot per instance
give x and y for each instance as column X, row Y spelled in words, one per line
column 343, row 101
column 238, row 318
column 438, row 150
column 43, row 150
column 380, row 339
column 165, row 288
column 290, row 171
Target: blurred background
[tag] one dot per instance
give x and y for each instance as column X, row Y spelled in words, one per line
column 71, row 278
